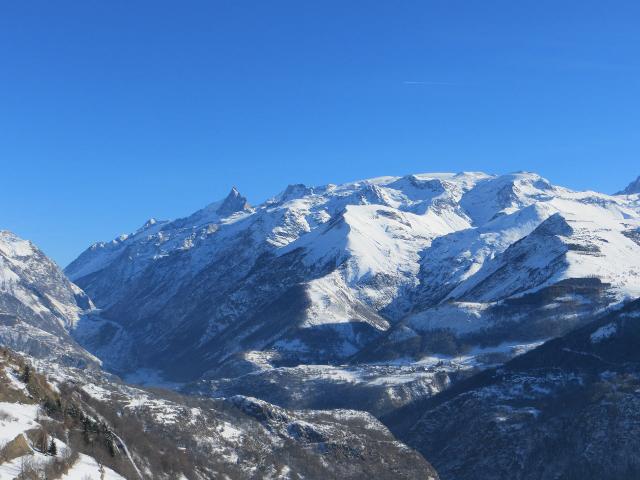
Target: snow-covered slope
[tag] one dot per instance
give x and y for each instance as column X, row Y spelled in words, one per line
column 530, row 274
column 327, row 274
column 27, row 447
column 38, row 304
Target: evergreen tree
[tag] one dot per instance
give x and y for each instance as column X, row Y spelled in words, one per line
column 53, row 449
column 26, row 375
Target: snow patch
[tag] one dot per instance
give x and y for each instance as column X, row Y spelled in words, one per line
column 604, row 332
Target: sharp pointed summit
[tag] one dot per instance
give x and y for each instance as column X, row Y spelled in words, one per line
column 234, row 202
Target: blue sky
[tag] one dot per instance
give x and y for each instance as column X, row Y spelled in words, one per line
column 116, row 111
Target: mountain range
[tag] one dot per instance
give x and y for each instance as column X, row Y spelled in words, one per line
column 367, row 272
column 452, row 307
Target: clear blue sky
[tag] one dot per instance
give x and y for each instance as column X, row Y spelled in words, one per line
column 114, row 111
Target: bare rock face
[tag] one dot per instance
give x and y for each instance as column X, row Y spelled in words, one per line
column 18, row 447
column 234, row 202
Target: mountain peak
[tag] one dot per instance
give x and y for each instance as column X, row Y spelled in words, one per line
column 149, row 223
column 234, row 202
column 295, row 190
column 633, row 187
column 12, row 245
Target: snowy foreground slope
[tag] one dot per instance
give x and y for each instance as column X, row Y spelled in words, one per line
column 53, row 389
column 98, row 423
column 27, row 449
column 399, row 271
column 101, row 425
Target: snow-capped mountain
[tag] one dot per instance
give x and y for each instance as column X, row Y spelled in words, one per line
column 38, row 304
column 378, row 294
column 369, row 270
column 360, row 270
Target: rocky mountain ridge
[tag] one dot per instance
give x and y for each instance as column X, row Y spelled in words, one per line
column 373, row 271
